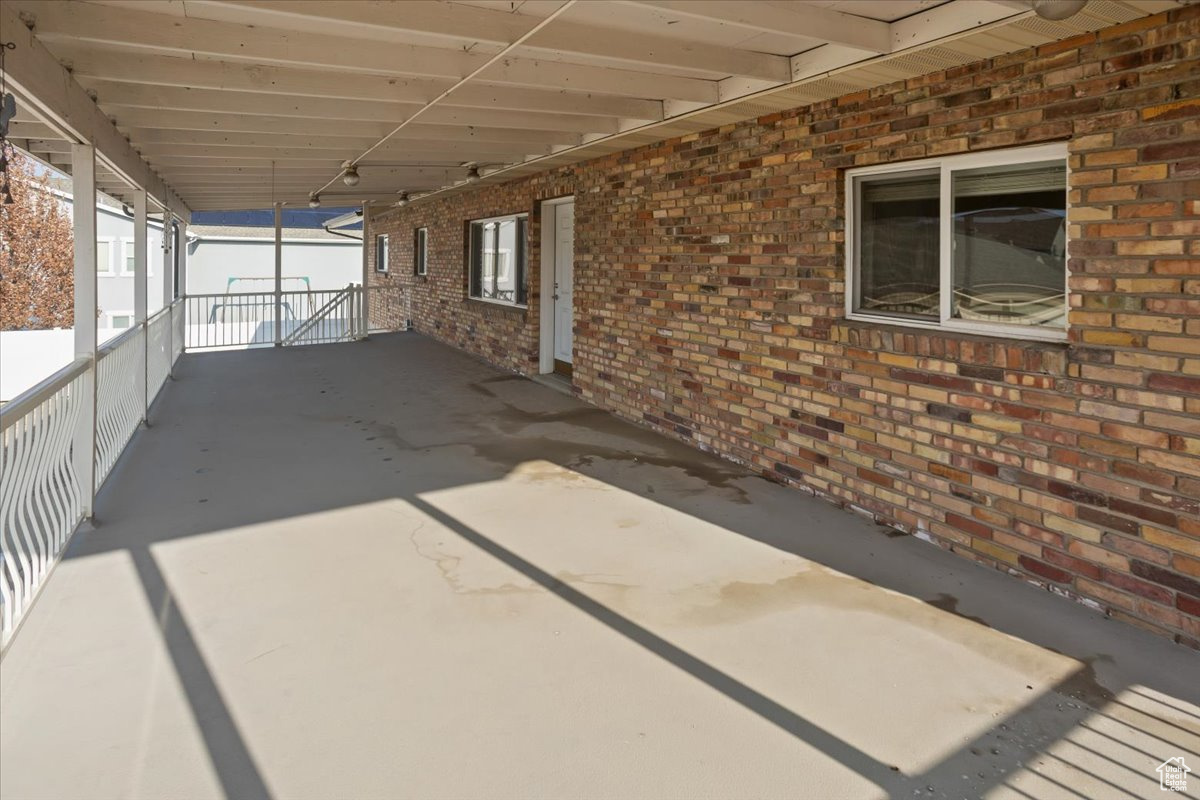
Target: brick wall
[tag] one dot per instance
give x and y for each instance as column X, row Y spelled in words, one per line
column 709, row 305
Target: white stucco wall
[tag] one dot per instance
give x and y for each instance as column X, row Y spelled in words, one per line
column 114, row 290
column 213, row 262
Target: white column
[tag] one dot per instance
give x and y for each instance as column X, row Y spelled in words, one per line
column 141, row 290
column 168, row 273
column 83, row 169
column 365, row 316
column 278, row 274
column 168, row 270
column 182, row 259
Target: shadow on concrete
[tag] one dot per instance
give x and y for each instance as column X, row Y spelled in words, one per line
column 255, row 436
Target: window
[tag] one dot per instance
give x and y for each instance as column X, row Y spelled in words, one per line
column 104, row 256
column 381, row 253
column 127, row 256
column 498, row 260
column 974, row 243
column 120, row 321
column 420, row 251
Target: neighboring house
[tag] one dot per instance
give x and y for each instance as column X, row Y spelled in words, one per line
column 225, row 258
column 114, row 265
column 220, row 259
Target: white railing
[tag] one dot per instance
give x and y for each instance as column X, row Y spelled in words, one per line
column 158, row 349
column 91, row 409
column 47, row 430
column 119, row 399
column 178, row 329
column 247, row 319
column 331, row 321
column 41, row 501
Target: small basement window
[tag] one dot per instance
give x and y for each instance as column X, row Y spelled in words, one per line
column 381, row 253
column 498, row 260
column 420, row 251
column 974, row 243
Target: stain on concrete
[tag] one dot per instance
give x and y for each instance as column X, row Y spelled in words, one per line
column 1082, row 684
column 949, row 603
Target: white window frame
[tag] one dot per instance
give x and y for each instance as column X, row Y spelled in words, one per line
column 126, row 251
column 421, row 254
column 113, row 269
column 382, row 244
column 471, row 255
column 945, row 167
column 113, row 314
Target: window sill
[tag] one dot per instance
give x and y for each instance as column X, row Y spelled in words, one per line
column 974, row 331
column 497, row 304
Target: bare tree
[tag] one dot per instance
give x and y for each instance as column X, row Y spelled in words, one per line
column 37, row 273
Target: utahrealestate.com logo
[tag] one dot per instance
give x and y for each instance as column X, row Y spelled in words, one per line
column 1172, row 775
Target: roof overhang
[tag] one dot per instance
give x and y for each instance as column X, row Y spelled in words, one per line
column 228, row 104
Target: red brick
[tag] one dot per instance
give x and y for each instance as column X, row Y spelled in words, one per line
column 738, row 343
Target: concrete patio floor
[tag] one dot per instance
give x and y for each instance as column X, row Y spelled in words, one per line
column 387, row 570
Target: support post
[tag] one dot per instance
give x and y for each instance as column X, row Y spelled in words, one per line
column 278, row 274
column 168, row 269
column 182, row 259
column 83, row 163
column 365, row 314
column 168, row 273
column 141, row 292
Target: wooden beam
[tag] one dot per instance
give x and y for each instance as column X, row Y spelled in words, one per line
column 488, row 31
column 449, row 151
column 132, row 117
column 187, row 36
column 34, row 73
column 793, row 19
column 192, row 98
column 415, row 135
column 97, row 61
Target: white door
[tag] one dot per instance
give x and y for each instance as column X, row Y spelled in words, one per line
column 564, row 280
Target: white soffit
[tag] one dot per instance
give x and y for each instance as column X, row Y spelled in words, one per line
column 241, row 103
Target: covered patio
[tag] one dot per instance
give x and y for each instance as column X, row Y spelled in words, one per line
column 386, row 569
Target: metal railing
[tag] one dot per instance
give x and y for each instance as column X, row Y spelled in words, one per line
column 227, row 321
column 60, row 440
column 119, row 399
column 87, row 411
column 159, row 347
column 333, row 321
column 41, row 501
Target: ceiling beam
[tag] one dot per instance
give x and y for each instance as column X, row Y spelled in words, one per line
column 191, row 97
column 483, row 136
column 487, row 31
column 131, row 117
column 793, row 19
column 98, row 61
column 449, row 151
column 209, row 101
column 189, row 36
column 33, row 72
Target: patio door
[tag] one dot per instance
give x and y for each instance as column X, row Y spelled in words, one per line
column 564, row 282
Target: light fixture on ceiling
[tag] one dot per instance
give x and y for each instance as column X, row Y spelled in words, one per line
column 350, row 175
column 473, row 175
column 403, row 201
column 1057, row 10
column 314, row 200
